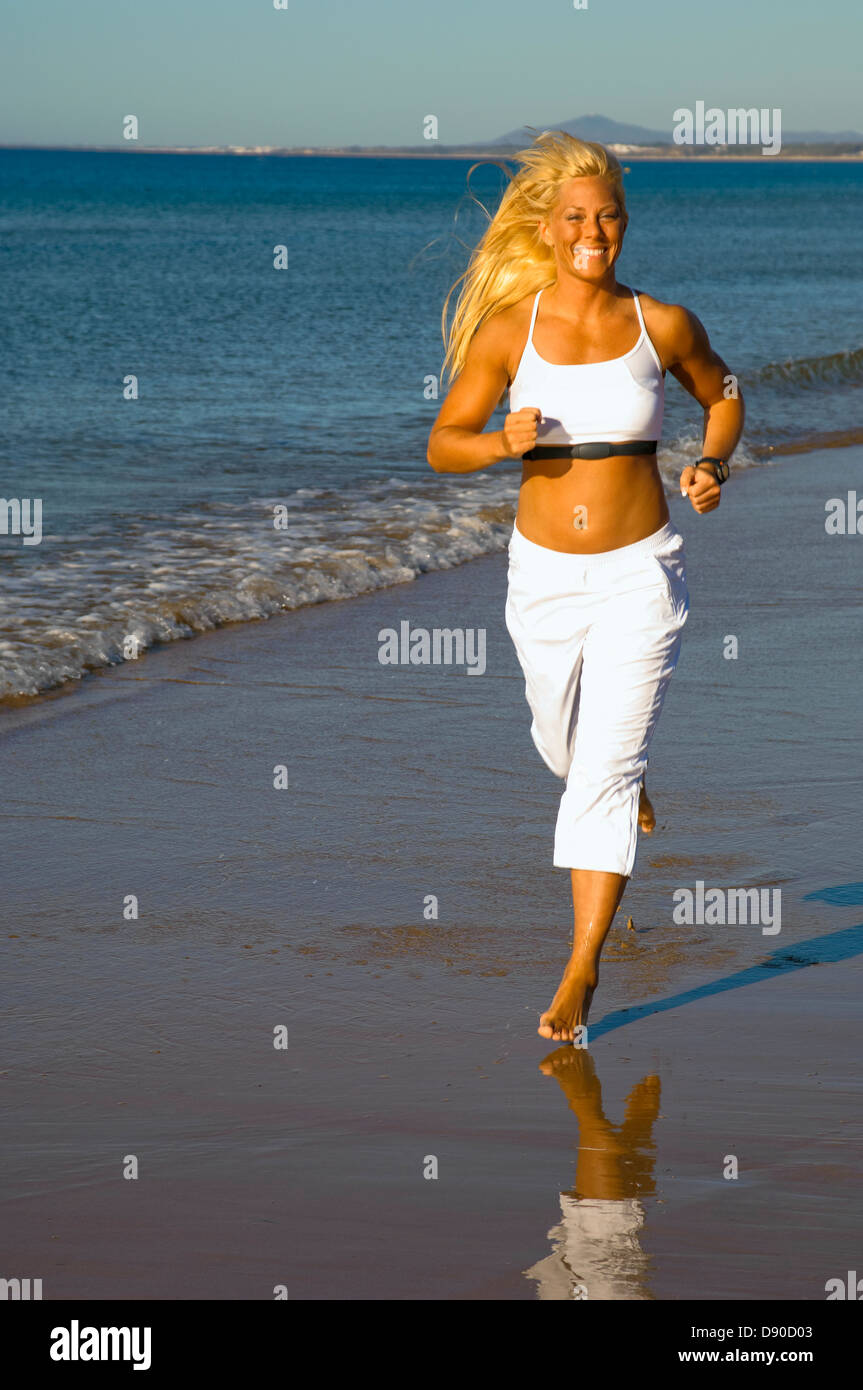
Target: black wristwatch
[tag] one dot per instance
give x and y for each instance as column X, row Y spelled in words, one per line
column 720, row 470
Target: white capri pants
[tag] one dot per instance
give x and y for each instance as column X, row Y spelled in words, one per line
column 597, row 637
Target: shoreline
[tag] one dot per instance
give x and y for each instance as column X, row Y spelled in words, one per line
column 14, row 705
column 387, row 152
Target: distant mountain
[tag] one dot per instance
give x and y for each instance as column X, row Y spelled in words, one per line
column 608, row 132
column 821, row 137
column 599, row 128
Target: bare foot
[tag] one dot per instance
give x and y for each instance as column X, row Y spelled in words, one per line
column 646, row 813
column 570, row 1006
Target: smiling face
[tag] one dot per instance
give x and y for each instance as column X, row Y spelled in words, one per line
column 585, row 229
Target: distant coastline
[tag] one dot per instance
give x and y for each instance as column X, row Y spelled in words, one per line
column 677, row 153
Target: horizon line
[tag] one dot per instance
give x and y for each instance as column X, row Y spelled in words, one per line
column 432, row 149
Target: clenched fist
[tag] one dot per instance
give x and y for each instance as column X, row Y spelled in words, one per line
column 519, row 430
column 701, row 487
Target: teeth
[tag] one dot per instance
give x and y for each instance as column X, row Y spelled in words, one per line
column 589, row 251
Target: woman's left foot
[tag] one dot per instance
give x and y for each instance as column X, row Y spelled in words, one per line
column 646, row 813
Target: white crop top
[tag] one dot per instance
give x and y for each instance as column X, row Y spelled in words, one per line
column 619, row 400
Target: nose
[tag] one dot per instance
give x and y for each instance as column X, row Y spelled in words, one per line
column 591, row 229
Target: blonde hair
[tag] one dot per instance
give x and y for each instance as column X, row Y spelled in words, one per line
column 511, row 260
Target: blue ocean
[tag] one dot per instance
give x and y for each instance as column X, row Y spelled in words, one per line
column 307, row 393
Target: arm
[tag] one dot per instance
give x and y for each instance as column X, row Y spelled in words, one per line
column 457, row 443
column 702, row 373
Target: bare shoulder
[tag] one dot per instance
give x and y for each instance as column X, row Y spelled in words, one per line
column 501, row 337
column 674, row 330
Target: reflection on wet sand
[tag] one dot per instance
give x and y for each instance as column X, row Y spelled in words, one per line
column 595, row 1249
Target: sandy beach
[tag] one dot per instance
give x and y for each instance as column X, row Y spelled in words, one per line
column 413, row 1038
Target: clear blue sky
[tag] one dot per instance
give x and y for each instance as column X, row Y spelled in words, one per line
column 332, row 72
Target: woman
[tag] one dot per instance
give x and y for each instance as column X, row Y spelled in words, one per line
column 597, row 594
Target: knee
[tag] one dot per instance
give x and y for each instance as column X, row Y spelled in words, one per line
column 553, row 750
column 609, row 780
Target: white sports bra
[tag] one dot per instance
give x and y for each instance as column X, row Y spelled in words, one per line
column 619, row 400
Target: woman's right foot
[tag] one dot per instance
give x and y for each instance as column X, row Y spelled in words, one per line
column 570, row 1005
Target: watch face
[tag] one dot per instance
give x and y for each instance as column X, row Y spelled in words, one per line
column 719, row 467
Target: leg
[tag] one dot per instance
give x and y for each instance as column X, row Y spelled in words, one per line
column 596, row 896
column 548, row 638
column 629, row 654
column 614, row 1161
column 597, row 644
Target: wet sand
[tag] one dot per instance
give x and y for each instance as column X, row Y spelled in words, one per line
column 413, row 1039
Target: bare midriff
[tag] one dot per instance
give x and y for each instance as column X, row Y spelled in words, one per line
column 586, row 506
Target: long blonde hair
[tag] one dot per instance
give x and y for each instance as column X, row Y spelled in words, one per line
column 511, row 260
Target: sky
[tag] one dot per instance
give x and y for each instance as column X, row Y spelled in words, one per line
column 361, row 72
